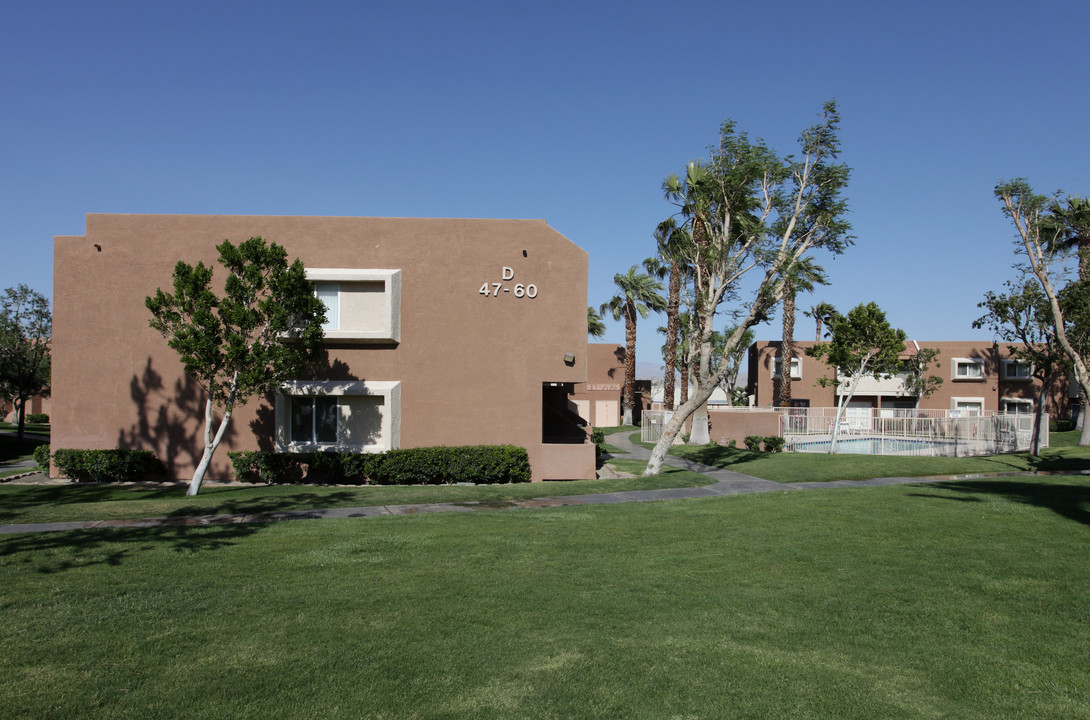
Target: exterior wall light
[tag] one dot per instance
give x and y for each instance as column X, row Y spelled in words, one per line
column 569, row 359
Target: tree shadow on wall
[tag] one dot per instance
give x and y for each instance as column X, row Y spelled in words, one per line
column 365, row 427
column 161, row 419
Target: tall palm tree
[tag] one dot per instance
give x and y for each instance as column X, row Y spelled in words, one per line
column 802, row 275
column 595, row 327
column 671, row 242
column 820, row 314
column 638, row 294
column 1068, row 223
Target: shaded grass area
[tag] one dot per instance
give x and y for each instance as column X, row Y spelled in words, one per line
column 36, row 428
column 13, row 452
column 818, row 467
column 52, row 503
column 961, row 600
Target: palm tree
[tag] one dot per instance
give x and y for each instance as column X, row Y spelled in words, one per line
column 671, row 242
column 595, row 327
column 639, row 293
column 1068, row 223
column 802, row 275
column 820, row 313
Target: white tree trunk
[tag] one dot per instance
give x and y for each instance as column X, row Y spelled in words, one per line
column 1084, row 438
column 842, row 404
column 210, row 445
column 701, row 433
column 626, row 419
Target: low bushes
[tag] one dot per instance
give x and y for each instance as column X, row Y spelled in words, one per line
column 1061, row 425
column 37, row 418
column 772, row 443
column 106, row 465
column 479, row 464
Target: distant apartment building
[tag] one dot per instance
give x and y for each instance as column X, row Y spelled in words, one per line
column 977, row 378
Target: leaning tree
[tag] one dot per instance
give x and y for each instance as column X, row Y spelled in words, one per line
column 751, row 212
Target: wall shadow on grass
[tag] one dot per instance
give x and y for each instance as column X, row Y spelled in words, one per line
column 1068, row 500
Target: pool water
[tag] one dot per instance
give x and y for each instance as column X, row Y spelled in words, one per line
column 876, row 446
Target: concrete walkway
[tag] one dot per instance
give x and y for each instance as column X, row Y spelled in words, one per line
column 727, row 482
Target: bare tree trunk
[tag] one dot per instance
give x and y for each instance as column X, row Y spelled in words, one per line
column 788, row 343
column 1084, row 438
column 210, row 445
column 628, row 400
column 672, row 327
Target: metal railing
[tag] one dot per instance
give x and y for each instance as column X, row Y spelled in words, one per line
column 935, row 433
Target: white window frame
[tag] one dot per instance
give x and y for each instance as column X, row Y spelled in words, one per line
column 974, row 400
column 1011, row 363
column 389, row 391
column 978, row 362
column 1015, row 401
column 796, row 367
column 389, row 329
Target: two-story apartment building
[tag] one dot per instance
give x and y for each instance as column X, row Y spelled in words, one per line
column 977, row 377
column 441, row 332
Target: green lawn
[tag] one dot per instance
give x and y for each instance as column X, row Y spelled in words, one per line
column 29, row 427
column 817, row 467
column 12, row 452
column 963, row 600
column 51, row 503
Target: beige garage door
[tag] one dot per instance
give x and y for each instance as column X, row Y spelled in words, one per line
column 607, row 413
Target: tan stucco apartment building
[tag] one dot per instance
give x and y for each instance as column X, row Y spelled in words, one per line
column 977, row 377
column 442, row 332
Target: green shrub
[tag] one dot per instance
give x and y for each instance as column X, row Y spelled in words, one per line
column 107, row 465
column 268, row 467
column 479, row 464
column 753, row 442
column 1061, row 425
column 773, row 444
column 598, row 437
column 37, row 418
column 41, row 456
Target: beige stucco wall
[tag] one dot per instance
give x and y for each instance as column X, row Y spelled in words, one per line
column 470, row 366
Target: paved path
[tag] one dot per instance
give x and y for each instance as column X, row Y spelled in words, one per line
column 727, row 482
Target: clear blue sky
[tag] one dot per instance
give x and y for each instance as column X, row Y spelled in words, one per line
column 572, row 112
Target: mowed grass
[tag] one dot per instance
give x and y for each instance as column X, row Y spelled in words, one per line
column 1063, row 456
column 960, row 600
column 92, row 501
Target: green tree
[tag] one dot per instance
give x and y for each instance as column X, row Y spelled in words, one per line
column 595, row 327
column 26, row 331
column 264, row 330
column 751, row 211
column 863, row 343
column 638, row 294
column 919, row 384
column 1040, row 242
column 1067, row 226
column 1023, row 315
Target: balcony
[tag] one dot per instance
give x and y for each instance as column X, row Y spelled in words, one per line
column 893, row 386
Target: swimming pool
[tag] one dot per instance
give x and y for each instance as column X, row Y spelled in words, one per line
column 878, row 446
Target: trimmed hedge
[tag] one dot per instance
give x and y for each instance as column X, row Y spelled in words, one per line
column 1061, row 425
column 107, row 465
column 37, row 418
column 478, row 464
column 753, row 442
column 774, row 444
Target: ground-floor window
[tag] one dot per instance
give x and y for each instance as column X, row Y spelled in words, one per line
column 352, row 416
column 967, row 406
column 1015, row 405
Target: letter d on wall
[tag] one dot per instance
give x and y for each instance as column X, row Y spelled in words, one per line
column 508, row 273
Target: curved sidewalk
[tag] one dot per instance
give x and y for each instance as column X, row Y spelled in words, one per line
column 727, row 482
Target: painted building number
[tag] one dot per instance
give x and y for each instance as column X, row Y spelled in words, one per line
column 519, row 290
